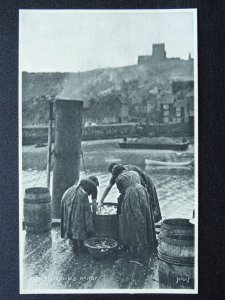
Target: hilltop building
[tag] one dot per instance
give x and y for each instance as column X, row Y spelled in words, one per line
column 158, row 56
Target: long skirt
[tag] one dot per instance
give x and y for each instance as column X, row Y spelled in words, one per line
column 153, row 198
column 135, row 219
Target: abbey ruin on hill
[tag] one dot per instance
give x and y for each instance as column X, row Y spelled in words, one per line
column 158, row 55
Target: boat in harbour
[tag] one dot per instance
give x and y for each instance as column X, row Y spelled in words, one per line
column 159, row 143
column 169, row 163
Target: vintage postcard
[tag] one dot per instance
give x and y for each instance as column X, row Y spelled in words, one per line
column 108, row 133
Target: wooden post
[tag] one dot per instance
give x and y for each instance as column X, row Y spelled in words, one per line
column 68, row 130
column 49, row 156
column 148, row 116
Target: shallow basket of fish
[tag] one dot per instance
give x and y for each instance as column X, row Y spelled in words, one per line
column 100, row 247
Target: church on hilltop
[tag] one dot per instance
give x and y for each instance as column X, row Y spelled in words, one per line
column 158, row 56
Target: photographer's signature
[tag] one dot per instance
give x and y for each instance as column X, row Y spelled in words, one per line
column 183, row 279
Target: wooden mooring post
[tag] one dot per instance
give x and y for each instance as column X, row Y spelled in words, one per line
column 49, row 156
column 68, row 131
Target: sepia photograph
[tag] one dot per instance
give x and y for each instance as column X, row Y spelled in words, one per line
column 108, row 151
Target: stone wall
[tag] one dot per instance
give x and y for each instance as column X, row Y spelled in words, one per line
column 35, row 135
column 178, row 129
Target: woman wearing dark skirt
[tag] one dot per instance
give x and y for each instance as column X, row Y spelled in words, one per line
column 135, row 218
column 76, row 214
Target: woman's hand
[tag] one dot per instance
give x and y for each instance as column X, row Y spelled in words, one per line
column 99, row 206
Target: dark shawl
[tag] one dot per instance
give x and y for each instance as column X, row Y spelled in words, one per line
column 146, row 181
column 76, row 215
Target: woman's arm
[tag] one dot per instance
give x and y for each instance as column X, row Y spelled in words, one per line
column 105, row 193
column 87, row 214
column 94, row 205
column 94, row 199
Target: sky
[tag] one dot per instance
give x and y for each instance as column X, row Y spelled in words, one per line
column 76, row 41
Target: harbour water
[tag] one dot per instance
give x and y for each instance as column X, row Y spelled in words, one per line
column 175, row 185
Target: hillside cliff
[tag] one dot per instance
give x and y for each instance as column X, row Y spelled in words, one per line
column 97, row 84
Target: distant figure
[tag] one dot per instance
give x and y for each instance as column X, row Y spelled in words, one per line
column 125, row 139
column 76, row 214
column 184, row 140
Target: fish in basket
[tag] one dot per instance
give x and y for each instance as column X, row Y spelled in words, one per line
column 107, row 209
column 100, row 247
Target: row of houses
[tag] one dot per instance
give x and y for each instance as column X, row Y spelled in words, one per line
column 158, row 106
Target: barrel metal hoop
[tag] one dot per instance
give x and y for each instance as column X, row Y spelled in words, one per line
column 37, row 196
column 173, row 233
column 173, row 241
column 37, row 190
column 175, row 260
column 37, row 224
column 182, row 224
column 37, row 201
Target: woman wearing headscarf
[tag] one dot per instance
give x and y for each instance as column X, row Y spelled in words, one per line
column 76, row 214
column 135, row 218
column 147, row 182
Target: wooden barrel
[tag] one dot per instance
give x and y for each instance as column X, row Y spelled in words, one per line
column 106, row 225
column 177, row 227
column 176, row 255
column 37, row 210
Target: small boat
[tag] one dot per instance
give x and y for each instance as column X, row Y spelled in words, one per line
column 160, row 143
column 175, row 146
column 169, row 163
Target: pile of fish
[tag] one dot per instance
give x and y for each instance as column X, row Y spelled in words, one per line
column 107, row 210
column 103, row 244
